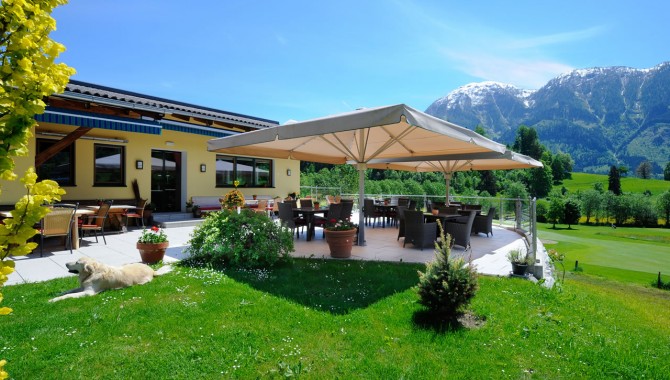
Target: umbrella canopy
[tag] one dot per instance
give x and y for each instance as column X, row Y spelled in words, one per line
column 383, row 133
column 448, row 164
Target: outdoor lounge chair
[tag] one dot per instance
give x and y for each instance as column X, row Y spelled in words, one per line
column 58, row 222
column 484, row 223
column 460, row 232
column 417, row 232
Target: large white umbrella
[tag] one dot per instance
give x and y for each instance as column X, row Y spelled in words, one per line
column 448, row 164
column 383, row 133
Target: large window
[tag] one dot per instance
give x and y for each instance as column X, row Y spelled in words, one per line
column 60, row 167
column 251, row 172
column 109, row 165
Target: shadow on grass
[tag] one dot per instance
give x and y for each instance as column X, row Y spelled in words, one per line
column 427, row 320
column 334, row 286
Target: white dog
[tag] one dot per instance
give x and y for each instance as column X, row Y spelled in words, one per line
column 95, row 277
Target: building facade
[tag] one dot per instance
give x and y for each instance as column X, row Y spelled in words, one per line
column 96, row 141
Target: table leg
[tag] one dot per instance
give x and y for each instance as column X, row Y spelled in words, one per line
column 74, row 233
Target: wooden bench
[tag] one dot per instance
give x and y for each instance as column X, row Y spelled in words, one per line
column 207, row 203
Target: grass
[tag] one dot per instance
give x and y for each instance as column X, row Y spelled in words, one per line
column 630, row 184
column 333, row 319
column 626, row 254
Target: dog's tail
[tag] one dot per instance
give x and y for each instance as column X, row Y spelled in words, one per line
column 163, row 270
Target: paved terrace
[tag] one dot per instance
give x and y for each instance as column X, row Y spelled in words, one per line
column 488, row 253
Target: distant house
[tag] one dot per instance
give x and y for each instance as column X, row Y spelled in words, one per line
column 95, row 140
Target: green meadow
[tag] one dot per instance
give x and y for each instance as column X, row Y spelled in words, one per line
column 585, row 181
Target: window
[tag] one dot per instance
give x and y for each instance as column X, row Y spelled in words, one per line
column 60, row 167
column 109, row 165
column 251, row 172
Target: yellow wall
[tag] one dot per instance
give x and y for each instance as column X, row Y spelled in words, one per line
column 139, row 146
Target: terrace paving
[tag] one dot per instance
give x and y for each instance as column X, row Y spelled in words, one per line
column 488, row 253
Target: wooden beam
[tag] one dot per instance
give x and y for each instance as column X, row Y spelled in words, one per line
column 60, row 145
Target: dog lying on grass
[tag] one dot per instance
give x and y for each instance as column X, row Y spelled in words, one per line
column 96, row 277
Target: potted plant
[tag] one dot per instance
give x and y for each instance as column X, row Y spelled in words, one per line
column 340, row 236
column 255, row 196
column 520, row 261
column 152, row 245
column 189, row 205
column 197, row 213
column 234, row 199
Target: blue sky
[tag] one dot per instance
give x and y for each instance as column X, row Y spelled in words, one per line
column 297, row 60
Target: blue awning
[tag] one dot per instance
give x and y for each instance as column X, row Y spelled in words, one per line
column 91, row 120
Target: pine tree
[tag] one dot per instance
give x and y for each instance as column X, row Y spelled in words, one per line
column 614, row 184
column 666, row 172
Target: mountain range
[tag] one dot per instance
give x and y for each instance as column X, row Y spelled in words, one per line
column 600, row 116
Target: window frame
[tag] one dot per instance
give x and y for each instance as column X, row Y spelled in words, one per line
column 122, row 166
column 72, row 153
column 255, row 162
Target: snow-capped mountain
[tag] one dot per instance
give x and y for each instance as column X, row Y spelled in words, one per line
column 601, row 116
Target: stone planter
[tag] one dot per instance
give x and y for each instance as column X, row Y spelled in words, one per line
column 340, row 242
column 152, row 253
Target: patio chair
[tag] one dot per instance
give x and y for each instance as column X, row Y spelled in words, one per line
column 460, row 232
column 403, row 202
column 275, row 207
column 449, row 210
column 370, row 212
column 261, row 206
column 334, row 212
column 287, row 219
column 58, row 222
column 411, row 205
column 347, row 207
column 136, row 213
column 484, row 223
column 306, row 202
column 417, row 232
column 400, row 211
column 96, row 223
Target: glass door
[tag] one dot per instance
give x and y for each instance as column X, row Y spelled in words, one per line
column 166, row 180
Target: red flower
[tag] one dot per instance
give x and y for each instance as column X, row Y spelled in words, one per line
column 155, row 229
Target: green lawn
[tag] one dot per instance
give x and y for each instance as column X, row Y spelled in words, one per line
column 630, row 184
column 318, row 319
column 625, row 254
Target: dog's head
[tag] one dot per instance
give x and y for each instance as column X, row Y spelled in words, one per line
column 84, row 265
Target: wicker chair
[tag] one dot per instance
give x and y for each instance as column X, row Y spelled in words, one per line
column 460, row 232
column 484, row 223
column 370, row 212
column 400, row 210
column 347, row 207
column 334, row 212
column 58, row 222
column 136, row 213
column 287, row 218
column 417, row 232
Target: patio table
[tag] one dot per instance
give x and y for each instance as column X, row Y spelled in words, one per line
column 385, row 210
column 115, row 215
column 308, row 213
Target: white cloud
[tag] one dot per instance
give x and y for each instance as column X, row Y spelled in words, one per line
column 557, row 38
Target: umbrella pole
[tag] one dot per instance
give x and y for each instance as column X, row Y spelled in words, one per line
column 447, row 180
column 361, row 194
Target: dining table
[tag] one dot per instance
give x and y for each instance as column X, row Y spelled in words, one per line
column 385, row 209
column 115, row 215
column 308, row 213
column 74, row 227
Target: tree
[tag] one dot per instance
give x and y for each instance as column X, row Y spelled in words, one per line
column 488, row 182
column 527, row 142
column 590, row 203
column 614, row 184
column 644, row 170
column 561, row 167
column 540, row 179
column 28, row 75
column 663, row 206
column 571, row 212
column 556, row 208
column 666, row 172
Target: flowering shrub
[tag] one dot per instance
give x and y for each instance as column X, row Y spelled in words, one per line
column 340, row 225
column 154, row 235
column 245, row 240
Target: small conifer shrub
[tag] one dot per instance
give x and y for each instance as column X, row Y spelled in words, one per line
column 448, row 284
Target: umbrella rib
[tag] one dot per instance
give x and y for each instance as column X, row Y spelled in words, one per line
column 393, row 140
column 342, row 148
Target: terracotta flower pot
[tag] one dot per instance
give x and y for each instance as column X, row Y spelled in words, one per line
column 152, row 253
column 340, row 242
